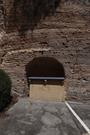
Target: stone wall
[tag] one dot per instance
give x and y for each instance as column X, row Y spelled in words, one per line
column 1, row 15
column 64, row 36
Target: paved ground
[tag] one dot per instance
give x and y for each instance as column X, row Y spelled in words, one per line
column 83, row 110
column 25, row 118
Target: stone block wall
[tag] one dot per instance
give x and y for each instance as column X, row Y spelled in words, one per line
column 64, row 36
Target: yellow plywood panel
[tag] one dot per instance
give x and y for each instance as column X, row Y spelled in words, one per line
column 47, row 92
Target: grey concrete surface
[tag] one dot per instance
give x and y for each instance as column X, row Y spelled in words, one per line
column 83, row 110
column 39, row 118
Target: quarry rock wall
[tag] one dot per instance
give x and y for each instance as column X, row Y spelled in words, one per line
column 65, row 35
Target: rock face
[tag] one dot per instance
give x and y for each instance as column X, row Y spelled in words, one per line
column 64, row 35
column 24, row 15
column 1, row 15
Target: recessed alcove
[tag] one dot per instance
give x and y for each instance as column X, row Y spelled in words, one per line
column 45, row 76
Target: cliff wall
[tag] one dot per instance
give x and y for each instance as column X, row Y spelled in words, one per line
column 64, row 35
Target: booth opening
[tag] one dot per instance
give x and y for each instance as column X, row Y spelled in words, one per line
column 45, row 76
column 45, row 69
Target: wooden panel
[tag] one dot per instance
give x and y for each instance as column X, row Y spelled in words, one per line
column 47, row 92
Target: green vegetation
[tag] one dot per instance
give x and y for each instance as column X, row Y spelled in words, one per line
column 5, row 89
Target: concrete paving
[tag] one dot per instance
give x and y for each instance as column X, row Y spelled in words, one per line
column 83, row 110
column 40, row 118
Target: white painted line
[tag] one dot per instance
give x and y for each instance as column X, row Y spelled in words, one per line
column 78, row 118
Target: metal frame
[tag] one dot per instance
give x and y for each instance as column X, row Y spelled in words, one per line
column 46, row 78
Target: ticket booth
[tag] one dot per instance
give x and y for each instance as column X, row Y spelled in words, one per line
column 46, row 79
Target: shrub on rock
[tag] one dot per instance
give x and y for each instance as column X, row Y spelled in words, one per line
column 5, row 89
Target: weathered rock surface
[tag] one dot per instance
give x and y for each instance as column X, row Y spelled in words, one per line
column 64, row 36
